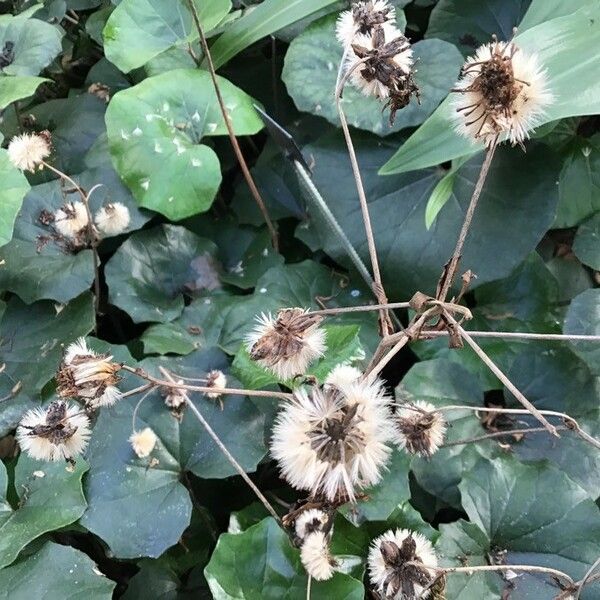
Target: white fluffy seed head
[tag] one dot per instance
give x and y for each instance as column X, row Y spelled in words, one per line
column 362, row 17
column 57, row 432
column 27, row 151
column 71, row 219
column 387, row 555
column 287, row 344
column 143, row 442
column 216, row 379
column 316, row 557
column 342, row 375
column 310, row 521
column 112, row 219
column 420, row 428
column 502, row 90
column 334, row 440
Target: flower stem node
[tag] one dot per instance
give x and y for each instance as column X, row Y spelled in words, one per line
column 87, row 375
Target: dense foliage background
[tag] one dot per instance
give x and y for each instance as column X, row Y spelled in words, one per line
column 127, row 107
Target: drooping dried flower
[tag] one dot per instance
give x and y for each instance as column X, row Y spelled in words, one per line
column 85, row 374
column 28, row 150
column 334, row 440
column 389, row 572
column 287, row 344
column 420, row 428
column 143, row 442
column 502, row 90
column 310, row 521
column 362, row 18
column 215, row 379
column 316, row 557
column 112, row 219
column 58, row 432
column 71, row 219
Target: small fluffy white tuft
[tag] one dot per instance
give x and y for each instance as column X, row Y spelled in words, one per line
column 474, row 115
column 174, row 397
column 420, row 431
column 27, row 151
column 70, row 219
column 143, row 442
column 78, row 348
column 310, row 521
column 112, row 219
column 316, row 558
column 383, row 575
column 334, row 440
column 42, row 441
column 350, row 23
column 342, row 375
column 216, row 379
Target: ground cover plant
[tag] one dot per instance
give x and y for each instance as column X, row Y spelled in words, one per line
column 300, row 299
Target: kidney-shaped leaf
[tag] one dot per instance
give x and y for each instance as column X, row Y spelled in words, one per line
column 155, row 130
column 14, row 188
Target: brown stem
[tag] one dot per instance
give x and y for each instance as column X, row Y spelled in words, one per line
column 364, row 308
column 496, row 434
column 226, row 118
column 544, row 337
column 450, row 272
column 587, row 578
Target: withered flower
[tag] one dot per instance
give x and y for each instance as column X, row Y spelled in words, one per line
column 502, row 90
column 71, row 219
column 316, row 556
column 112, row 219
column 143, row 442
column 28, row 150
column 215, row 379
column 420, row 428
column 87, row 375
column 362, row 18
column 287, row 344
column 389, row 569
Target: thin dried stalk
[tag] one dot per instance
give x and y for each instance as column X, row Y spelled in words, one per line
column 497, row 434
column 236, row 147
column 586, row 578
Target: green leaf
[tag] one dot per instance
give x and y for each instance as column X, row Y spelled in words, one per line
column 152, row 270
column 310, row 70
column 36, row 334
column 546, row 10
column 13, row 88
column 441, row 194
column 583, row 317
column 35, row 44
column 14, row 188
column 155, row 130
column 579, row 182
column 73, row 575
column 261, row 21
column 153, row 575
column 138, row 30
column 168, row 338
column 50, row 497
column 513, row 505
column 272, row 571
column 574, row 92
column 587, row 242
column 470, row 23
column 411, row 257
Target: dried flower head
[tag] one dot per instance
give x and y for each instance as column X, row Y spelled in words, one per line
column 287, row 344
column 71, row 219
column 362, row 18
column 28, row 150
column 143, row 442
column 420, row 427
column 85, row 374
column 215, row 379
column 174, row 397
column 100, row 90
column 310, row 521
column 389, row 572
column 502, row 90
column 334, row 440
column 112, row 219
column 316, row 557
column 58, row 432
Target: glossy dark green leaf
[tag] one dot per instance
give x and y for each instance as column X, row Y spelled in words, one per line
column 54, row 572
column 583, row 317
column 508, row 224
column 50, row 497
column 150, row 273
column 310, row 70
column 34, row 337
column 272, row 571
column 155, row 130
column 13, row 191
column 168, row 338
column 586, row 245
column 156, row 576
column 17, row 87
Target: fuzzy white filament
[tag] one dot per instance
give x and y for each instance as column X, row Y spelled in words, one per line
column 58, row 432
column 316, row 557
column 420, row 428
column 334, row 440
column 288, row 343
column 71, row 219
column 143, row 442
column 362, row 17
column 502, row 90
column 112, row 218
column 28, row 151
column 342, row 375
column 389, row 574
